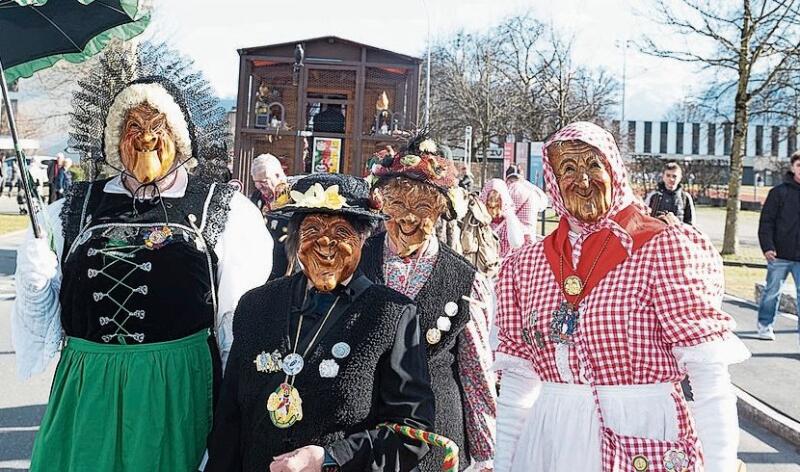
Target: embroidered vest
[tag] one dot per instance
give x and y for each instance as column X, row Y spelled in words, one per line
column 451, row 279
column 143, row 273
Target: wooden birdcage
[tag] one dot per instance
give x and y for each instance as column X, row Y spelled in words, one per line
column 322, row 105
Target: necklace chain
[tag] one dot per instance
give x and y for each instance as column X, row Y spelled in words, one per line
column 310, row 344
column 589, row 274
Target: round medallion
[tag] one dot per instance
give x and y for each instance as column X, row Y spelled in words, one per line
column 676, row 460
column 443, row 323
column 293, row 364
column 328, row 369
column 451, row 309
column 433, row 336
column 640, row 463
column 340, row 350
column 573, row 285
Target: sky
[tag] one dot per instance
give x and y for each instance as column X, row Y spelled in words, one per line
column 210, row 32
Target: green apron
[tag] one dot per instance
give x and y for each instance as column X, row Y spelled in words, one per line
column 120, row 408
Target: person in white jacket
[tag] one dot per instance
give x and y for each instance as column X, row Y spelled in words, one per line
column 600, row 321
column 137, row 281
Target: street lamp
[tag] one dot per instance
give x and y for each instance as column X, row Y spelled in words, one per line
column 624, row 46
column 428, row 69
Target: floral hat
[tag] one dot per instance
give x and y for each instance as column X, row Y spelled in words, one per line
column 423, row 161
column 328, row 193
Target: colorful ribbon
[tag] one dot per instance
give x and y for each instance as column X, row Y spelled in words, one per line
column 450, row 463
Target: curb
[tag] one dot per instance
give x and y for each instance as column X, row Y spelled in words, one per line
column 763, row 415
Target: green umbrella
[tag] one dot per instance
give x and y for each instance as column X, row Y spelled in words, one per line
column 35, row 34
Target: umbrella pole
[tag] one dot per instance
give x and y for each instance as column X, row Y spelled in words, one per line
column 31, row 197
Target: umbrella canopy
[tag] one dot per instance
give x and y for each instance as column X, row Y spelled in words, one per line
column 35, row 34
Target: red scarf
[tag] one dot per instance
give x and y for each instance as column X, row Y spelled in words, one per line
column 641, row 228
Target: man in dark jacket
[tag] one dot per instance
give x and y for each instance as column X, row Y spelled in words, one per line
column 779, row 235
column 669, row 197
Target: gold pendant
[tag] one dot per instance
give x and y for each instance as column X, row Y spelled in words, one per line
column 573, row 285
column 433, row 336
column 285, row 406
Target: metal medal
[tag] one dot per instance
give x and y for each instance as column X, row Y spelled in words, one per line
column 573, row 285
column 328, row 369
column 676, row 460
column 451, row 309
column 285, row 406
column 433, row 336
column 564, row 323
column 340, row 350
column 293, row 364
column 640, row 463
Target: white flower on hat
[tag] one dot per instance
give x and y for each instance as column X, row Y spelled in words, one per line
column 318, row 197
column 428, row 146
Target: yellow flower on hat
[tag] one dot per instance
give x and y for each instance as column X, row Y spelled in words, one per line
column 282, row 200
column 318, row 197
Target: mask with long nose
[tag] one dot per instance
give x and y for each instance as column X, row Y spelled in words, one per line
column 147, row 147
column 329, row 250
column 413, row 209
column 583, row 179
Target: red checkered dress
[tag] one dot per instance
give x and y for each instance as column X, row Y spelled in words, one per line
column 666, row 294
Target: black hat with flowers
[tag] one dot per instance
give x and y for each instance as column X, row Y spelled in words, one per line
column 337, row 194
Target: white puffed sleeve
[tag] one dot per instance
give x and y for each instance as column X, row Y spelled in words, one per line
column 714, row 406
column 519, row 388
column 36, row 313
column 244, row 261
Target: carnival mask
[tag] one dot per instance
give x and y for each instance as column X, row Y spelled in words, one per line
column 583, row 179
column 147, row 147
column 413, row 209
column 494, row 204
column 329, row 249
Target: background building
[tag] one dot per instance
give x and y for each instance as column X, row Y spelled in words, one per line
column 322, row 104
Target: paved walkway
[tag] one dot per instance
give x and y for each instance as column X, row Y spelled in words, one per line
column 772, row 375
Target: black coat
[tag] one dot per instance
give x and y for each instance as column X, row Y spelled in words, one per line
column 383, row 379
column 779, row 226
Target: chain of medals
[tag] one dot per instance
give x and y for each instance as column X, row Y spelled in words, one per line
column 565, row 318
column 285, row 406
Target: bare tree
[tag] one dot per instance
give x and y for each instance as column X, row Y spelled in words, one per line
column 747, row 45
column 467, row 90
column 553, row 91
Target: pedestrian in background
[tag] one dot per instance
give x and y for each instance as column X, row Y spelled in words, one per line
column 529, row 201
column 53, row 169
column 64, row 179
column 779, row 236
column 669, row 197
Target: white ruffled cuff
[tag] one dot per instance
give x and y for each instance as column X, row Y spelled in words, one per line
column 727, row 351
column 508, row 363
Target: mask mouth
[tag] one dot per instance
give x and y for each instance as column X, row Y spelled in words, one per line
column 408, row 232
column 326, row 259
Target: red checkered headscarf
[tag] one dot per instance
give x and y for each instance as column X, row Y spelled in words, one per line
column 622, row 195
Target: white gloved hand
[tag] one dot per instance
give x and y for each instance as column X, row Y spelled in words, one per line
column 37, row 264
